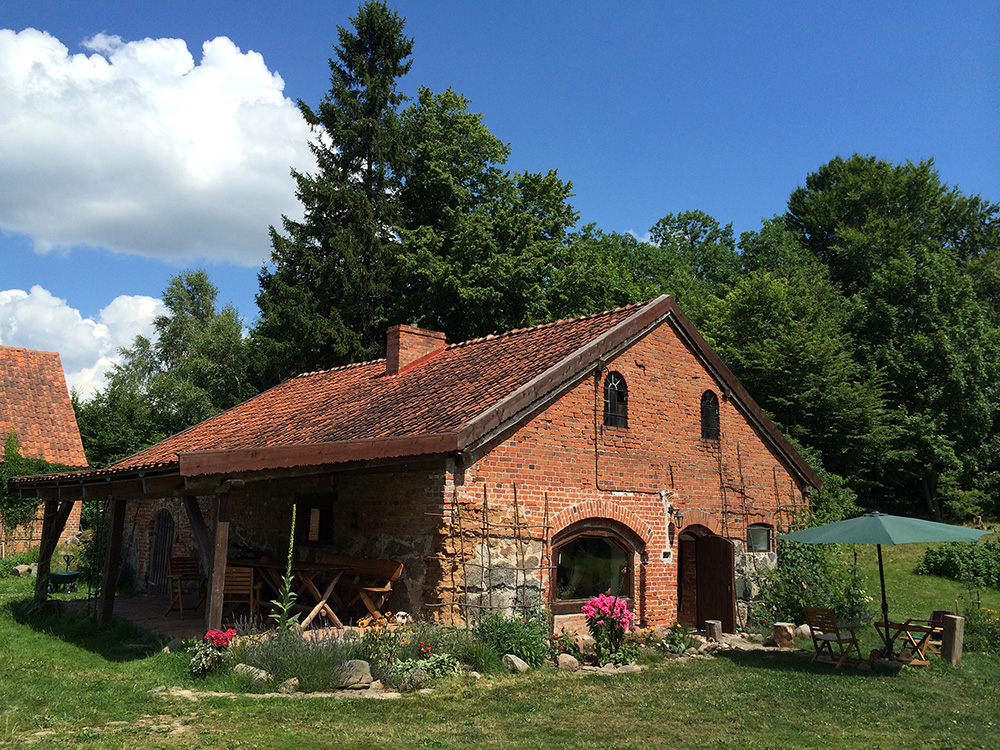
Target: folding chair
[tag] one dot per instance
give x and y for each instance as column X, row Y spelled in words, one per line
column 184, row 577
column 826, row 634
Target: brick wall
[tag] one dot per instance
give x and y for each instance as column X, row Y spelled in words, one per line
column 24, row 537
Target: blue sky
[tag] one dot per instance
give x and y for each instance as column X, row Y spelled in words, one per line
column 145, row 156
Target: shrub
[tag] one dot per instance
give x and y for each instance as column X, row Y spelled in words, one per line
column 318, row 663
column 7, row 564
column 811, row 575
column 526, row 637
column 609, row 620
column 975, row 565
column 982, row 630
column 565, row 643
column 676, row 640
column 208, row 652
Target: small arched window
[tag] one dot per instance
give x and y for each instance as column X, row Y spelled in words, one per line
column 615, row 400
column 709, row 416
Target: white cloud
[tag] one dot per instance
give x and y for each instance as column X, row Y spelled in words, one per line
column 139, row 149
column 87, row 348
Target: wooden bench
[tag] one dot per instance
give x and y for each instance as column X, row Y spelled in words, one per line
column 365, row 579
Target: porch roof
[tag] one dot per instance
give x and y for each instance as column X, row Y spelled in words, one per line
column 448, row 401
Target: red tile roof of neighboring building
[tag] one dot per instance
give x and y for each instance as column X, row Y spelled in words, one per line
column 34, row 404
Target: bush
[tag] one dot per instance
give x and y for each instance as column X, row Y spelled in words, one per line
column 317, row 663
column 7, row 564
column 811, row 575
column 982, row 630
column 526, row 637
column 975, row 565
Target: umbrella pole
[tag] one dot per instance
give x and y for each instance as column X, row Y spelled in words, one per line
column 885, row 606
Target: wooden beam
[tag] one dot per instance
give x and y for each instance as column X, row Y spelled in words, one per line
column 217, row 572
column 199, row 531
column 112, row 562
column 53, row 522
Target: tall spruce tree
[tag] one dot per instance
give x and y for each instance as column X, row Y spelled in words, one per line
column 324, row 298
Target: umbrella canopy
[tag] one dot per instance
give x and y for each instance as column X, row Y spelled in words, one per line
column 879, row 529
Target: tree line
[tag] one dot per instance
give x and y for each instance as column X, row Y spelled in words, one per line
column 863, row 318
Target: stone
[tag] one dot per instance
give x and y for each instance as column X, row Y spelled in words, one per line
column 803, row 631
column 783, row 634
column 887, row 665
column 629, row 668
column 515, row 664
column 714, row 629
column 357, row 675
column 568, row 662
column 173, row 645
column 291, row 685
column 257, row 675
column 864, row 667
column 21, row 570
column 475, row 675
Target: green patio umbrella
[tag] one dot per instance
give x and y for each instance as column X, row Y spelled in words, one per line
column 879, row 529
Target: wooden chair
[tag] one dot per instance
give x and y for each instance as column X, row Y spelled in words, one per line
column 240, row 588
column 826, row 634
column 365, row 579
column 184, row 577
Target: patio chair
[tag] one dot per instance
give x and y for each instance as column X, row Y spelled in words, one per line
column 240, row 588
column 184, row 577
column 826, row 635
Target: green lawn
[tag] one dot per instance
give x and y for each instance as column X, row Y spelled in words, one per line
column 92, row 689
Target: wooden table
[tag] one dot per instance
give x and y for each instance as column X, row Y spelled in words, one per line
column 307, row 578
column 915, row 636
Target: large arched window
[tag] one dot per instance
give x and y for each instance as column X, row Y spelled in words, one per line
column 590, row 559
column 615, row 400
column 709, row 416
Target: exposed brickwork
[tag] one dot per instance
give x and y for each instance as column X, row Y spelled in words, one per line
column 406, row 344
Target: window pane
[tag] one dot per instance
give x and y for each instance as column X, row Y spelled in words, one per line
column 760, row 538
column 589, row 566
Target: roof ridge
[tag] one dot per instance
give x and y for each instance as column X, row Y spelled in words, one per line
column 549, row 324
column 349, row 366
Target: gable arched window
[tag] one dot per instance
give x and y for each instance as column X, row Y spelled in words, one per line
column 709, row 416
column 615, row 400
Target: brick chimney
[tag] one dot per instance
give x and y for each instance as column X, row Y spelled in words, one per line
column 406, row 344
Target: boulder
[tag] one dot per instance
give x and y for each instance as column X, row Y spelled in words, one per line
column 515, row 664
column 357, row 675
column 783, row 634
column 803, row 631
column 290, row 685
column 259, row 676
column 568, row 662
column 21, row 570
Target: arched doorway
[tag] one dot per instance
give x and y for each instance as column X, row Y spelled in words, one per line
column 706, row 572
column 161, row 547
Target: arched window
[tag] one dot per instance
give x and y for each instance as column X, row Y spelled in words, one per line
column 590, row 565
column 615, row 400
column 709, row 416
column 759, row 537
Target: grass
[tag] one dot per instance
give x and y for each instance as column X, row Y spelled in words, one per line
column 91, row 688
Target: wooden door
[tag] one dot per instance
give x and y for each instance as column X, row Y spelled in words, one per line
column 716, row 566
column 160, row 550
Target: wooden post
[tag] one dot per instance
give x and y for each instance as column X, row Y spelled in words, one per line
column 199, row 531
column 714, row 629
column 112, row 562
column 217, row 573
column 54, row 519
column 953, row 639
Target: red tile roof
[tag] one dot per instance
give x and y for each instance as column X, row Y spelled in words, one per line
column 34, row 403
column 360, row 403
column 447, row 401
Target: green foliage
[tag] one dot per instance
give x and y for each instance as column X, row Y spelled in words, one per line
column 8, row 563
column 281, row 609
column 14, row 509
column 975, row 565
column 676, row 640
column 526, row 637
column 812, row 575
column 982, row 630
column 318, row 663
column 413, row 674
column 197, row 367
column 565, row 643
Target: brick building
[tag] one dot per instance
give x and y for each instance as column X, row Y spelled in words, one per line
column 35, row 407
column 613, row 452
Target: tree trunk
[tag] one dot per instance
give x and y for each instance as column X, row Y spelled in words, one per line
column 930, row 495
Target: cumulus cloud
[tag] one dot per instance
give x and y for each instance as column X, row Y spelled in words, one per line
column 137, row 148
column 87, row 348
